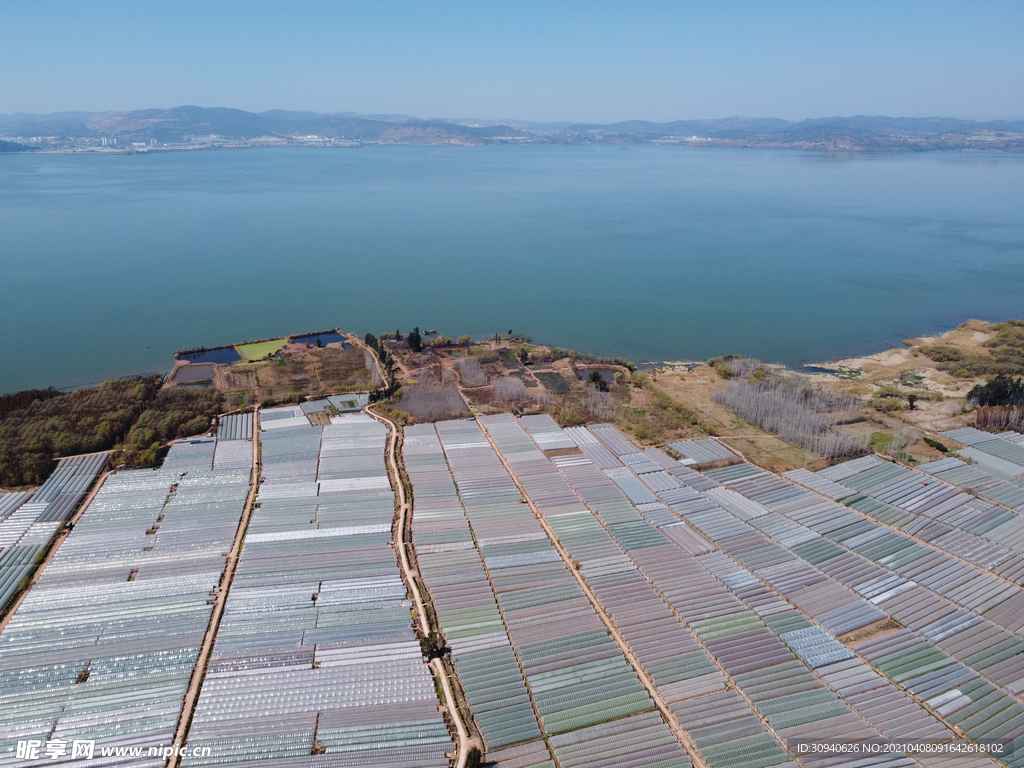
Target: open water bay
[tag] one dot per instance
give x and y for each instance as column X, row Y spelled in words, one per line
column 108, row 264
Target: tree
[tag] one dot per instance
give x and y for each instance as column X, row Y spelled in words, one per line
column 912, row 401
column 414, row 339
column 464, row 341
column 1002, row 390
column 598, row 380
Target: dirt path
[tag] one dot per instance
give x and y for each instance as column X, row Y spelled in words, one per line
column 410, row 579
column 203, row 660
column 673, row 724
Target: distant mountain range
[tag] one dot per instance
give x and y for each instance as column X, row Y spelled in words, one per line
column 189, row 127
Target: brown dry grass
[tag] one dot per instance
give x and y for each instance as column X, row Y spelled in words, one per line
column 696, row 390
column 302, row 371
column 878, row 629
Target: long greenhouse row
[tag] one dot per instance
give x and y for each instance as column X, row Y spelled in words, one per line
column 102, row 649
column 466, row 609
column 315, row 661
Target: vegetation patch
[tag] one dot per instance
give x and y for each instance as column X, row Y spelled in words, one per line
column 260, row 349
column 1002, row 390
column 301, row 372
column 174, row 413
column 1005, row 354
column 86, row 421
column 894, row 443
column 485, row 354
column 16, row 401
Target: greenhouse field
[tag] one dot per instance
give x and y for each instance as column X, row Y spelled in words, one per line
column 866, row 603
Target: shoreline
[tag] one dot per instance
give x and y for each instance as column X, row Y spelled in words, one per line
column 810, row 148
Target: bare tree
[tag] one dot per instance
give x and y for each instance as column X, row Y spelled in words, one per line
column 743, row 366
column 429, row 400
column 598, row 404
column 800, row 413
column 996, row 418
column 543, row 397
column 371, row 366
column 471, row 372
column 903, row 437
column 509, row 390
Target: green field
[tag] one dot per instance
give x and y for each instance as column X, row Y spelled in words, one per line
column 553, row 382
column 260, row 350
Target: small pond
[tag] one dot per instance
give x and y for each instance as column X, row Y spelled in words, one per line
column 223, row 356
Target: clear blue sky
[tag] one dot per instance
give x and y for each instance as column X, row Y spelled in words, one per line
column 585, row 61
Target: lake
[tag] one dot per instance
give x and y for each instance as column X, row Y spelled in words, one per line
column 110, row 264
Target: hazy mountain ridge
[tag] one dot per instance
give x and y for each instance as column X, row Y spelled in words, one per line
column 195, row 126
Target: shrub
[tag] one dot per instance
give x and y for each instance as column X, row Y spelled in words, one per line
column 723, row 370
column 485, row 355
column 887, row 404
column 648, row 430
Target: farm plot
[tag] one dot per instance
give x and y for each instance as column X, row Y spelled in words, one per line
column 552, row 381
column 1002, row 454
column 467, row 611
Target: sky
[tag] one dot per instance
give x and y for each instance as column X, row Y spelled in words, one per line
column 540, row 61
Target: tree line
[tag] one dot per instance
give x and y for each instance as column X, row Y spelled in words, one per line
column 1002, row 390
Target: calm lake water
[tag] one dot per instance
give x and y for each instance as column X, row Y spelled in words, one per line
column 110, row 264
